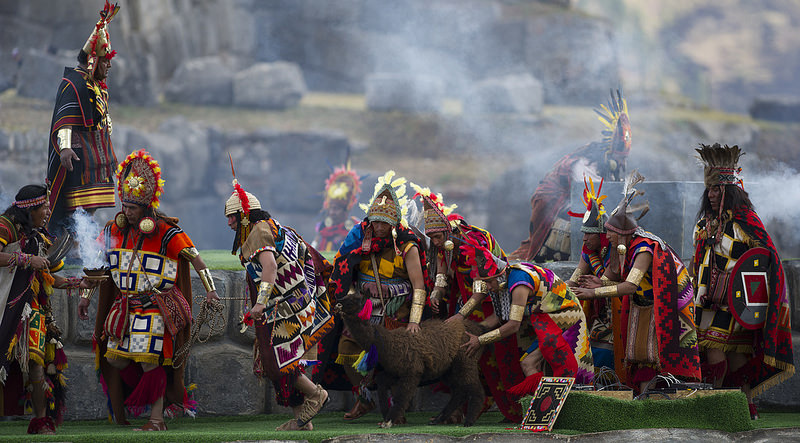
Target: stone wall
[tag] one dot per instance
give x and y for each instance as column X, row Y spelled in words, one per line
column 221, row 366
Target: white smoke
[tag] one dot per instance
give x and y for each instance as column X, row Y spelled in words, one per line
column 775, row 196
column 5, row 201
column 91, row 251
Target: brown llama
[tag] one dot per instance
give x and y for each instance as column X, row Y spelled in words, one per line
column 407, row 359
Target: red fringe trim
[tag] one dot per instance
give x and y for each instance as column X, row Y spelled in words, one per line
column 527, row 386
column 151, row 387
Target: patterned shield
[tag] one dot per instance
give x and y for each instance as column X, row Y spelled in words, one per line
column 748, row 292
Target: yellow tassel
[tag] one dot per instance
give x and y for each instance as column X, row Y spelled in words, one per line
column 11, row 347
column 49, row 352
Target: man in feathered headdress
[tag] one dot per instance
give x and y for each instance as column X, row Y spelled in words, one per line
column 382, row 259
column 144, row 314
column 447, row 230
column 341, row 194
column 537, row 319
column 80, row 158
column 657, row 328
column 595, row 255
column 291, row 310
column 743, row 346
column 548, row 236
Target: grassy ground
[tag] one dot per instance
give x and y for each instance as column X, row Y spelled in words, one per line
column 223, row 260
column 261, row 427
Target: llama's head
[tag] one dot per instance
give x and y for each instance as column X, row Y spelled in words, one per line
column 350, row 304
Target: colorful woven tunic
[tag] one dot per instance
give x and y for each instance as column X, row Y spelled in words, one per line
column 556, row 326
column 658, row 329
column 81, row 104
column 26, row 332
column 303, row 316
column 145, row 268
column 770, row 348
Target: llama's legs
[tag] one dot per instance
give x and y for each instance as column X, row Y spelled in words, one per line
column 384, row 382
column 474, row 393
column 402, row 392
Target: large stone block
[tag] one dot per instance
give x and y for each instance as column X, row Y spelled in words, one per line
column 225, row 382
column 40, row 74
column 520, row 94
column 776, row 108
column 785, row 396
column 203, row 81
column 400, row 92
column 85, row 397
column 269, row 85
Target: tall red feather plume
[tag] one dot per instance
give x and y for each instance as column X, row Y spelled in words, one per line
column 239, row 191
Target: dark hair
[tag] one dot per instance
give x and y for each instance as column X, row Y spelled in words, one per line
column 22, row 216
column 734, row 198
column 255, row 215
column 83, row 57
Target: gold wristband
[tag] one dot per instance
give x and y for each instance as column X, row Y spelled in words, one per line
column 468, row 307
column 516, row 313
column 635, row 276
column 490, row 337
column 607, row 281
column 441, row 281
column 479, row 287
column 606, row 291
column 87, row 293
column 264, row 291
column 575, row 275
column 64, row 138
column 416, row 314
column 206, row 279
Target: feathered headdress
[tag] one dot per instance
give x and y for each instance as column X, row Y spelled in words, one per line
column 388, row 202
column 720, row 164
column 595, row 216
column 435, row 213
column 484, row 265
column 99, row 43
column 342, row 185
column 240, row 201
column 620, row 220
column 139, row 180
column 617, row 130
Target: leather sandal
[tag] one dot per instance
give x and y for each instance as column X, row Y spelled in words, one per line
column 153, row 425
column 359, row 410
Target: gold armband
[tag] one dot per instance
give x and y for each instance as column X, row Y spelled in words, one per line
column 64, row 138
column 206, row 279
column 417, row 304
column 606, row 291
column 635, row 276
column 264, row 291
column 490, row 337
column 190, row 253
column 468, row 307
column 516, row 313
column 575, row 275
column 607, row 281
column 480, row 287
column 441, row 281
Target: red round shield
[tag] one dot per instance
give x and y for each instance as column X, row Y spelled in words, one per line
column 748, row 291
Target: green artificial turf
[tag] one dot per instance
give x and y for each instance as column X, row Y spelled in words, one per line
column 583, row 412
column 326, row 425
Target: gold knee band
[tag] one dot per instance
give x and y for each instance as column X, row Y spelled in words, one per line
column 490, row 337
column 479, row 287
column 468, row 307
column 606, row 291
column 264, row 291
column 206, row 279
column 635, row 276
column 516, row 313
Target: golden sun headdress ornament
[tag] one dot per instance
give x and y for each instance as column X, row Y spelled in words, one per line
column 99, row 44
column 139, row 180
column 595, row 217
column 342, row 185
column 240, row 201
